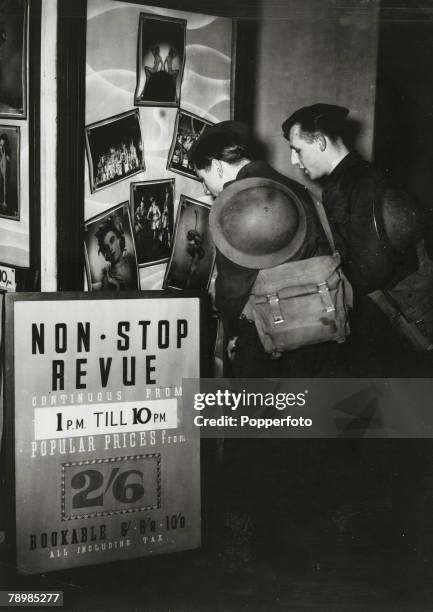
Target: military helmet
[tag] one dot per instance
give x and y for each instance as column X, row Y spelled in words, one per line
column 258, row 223
column 400, row 220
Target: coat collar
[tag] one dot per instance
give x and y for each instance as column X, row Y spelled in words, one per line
column 353, row 158
column 253, row 169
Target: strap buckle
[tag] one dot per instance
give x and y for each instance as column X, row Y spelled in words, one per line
column 274, row 303
column 323, row 290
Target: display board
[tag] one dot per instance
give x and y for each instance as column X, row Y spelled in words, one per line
column 172, row 70
column 106, row 465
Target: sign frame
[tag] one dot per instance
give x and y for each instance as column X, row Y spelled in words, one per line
column 9, row 429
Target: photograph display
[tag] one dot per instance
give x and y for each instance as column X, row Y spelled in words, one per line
column 193, row 254
column 160, row 60
column 13, row 59
column 188, row 128
column 9, row 172
column 152, row 210
column 111, row 261
column 114, row 149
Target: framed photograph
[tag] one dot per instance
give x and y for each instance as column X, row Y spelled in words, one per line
column 193, row 255
column 13, row 59
column 114, row 149
column 10, row 172
column 152, row 211
column 160, row 60
column 187, row 129
column 111, row 261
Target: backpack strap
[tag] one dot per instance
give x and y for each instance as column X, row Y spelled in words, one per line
column 321, row 213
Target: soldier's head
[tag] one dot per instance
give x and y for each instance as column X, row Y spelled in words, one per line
column 219, row 153
column 316, row 137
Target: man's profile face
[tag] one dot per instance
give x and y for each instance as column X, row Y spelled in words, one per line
column 113, row 252
column 307, row 155
column 212, row 179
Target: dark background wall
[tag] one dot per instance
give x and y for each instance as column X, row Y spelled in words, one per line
column 305, row 52
column 404, row 108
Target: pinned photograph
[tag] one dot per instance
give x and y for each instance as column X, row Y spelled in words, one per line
column 114, row 149
column 13, row 59
column 111, row 261
column 160, row 60
column 187, row 129
column 152, row 210
column 10, row 172
column 193, row 253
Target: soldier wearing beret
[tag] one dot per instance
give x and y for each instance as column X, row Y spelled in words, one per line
column 353, row 197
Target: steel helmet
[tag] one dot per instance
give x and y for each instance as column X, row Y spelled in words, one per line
column 258, row 223
column 400, row 219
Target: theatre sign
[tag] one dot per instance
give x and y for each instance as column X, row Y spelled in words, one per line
column 106, row 463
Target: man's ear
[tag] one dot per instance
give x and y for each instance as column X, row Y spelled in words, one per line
column 218, row 167
column 322, row 142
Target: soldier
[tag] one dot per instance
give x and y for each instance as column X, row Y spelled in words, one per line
column 222, row 156
column 378, row 252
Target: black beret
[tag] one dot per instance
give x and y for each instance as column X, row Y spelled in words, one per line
column 316, row 114
column 239, row 130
